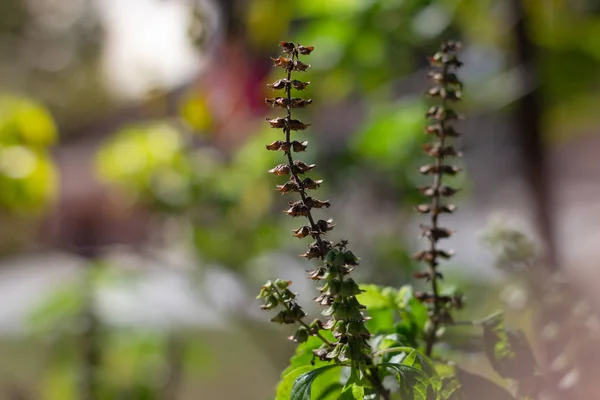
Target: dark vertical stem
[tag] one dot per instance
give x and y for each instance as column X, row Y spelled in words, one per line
column 288, row 139
column 528, row 115
column 173, row 366
column 435, row 206
column 90, row 345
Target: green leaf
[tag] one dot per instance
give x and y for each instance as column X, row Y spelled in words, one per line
column 353, row 390
column 284, row 388
column 451, row 389
column 421, row 362
column 301, row 388
column 507, row 350
column 379, row 301
column 414, row 383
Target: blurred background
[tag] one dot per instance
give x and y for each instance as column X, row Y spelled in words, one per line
column 137, row 220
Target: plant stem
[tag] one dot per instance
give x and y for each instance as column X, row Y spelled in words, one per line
column 393, row 350
column 435, row 206
column 376, row 380
column 288, row 131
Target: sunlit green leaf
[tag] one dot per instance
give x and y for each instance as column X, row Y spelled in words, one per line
column 353, row 389
column 301, row 382
column 413, row 382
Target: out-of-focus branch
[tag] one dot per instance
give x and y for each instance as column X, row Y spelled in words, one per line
column 528, row 115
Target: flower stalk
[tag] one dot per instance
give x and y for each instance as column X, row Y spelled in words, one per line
column 344, row 313
column 448, row 89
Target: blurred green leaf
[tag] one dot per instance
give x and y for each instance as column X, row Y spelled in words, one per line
column 25, row 122
column 393, row 135
column 58, row 312
column 507, row 350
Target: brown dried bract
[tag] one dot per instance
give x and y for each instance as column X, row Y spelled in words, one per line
column 289, row 186
column 435, row 233
column 276, row 122
column 278, row 102
column 427, row 255
column 446, row 191
column 278, row 85
column 300, row 66
column 435, row 150
column 299, row 146
column 426, row 208
column 304, row 167
column 311, row 184
column 297, row 125
column 299, row 85
column 312, row 252
column 298, row 209
column 281, row 169
column 283, row 62
column 276, row 145
column 297, row 102
column 317, row 273
column 288, row 47
column 436, row 129
column 325, row 226
column 301, row 232
column 314, row 203
column 305, row 50
column 444, row 169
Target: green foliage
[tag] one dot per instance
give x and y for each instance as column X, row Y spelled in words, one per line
column 507, row 350
column 413, row 382
column 149, row 160
column 28, row 177
column 353, row 389
column 60, row 310
column 392, row 152
column 397, row 309
column 302, row 386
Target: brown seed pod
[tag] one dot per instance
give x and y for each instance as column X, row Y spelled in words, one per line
column 281, row 169
column 276, row 145
column 289, row 186
column 305, row 50
column 276, row 122
column 288, row 47
column 299, row 146
column 300, row 66
column 300, row 103
column 301, row 232
column 303, row 167
column 311, row 184
column 283, row 62
column 278, row 85
column 297, row 125
column 299, row 85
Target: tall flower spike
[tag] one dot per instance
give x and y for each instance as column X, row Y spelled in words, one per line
column 338, row 294
column 447, row 89
column 293, row 168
